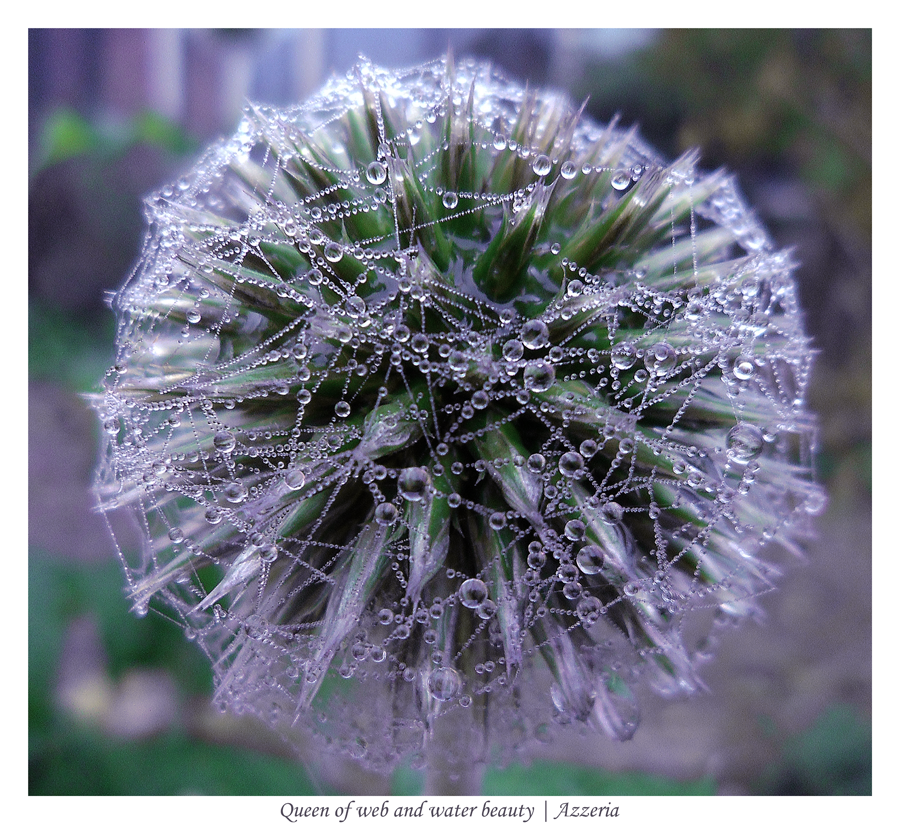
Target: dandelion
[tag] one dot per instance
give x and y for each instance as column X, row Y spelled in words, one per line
column 434, row 399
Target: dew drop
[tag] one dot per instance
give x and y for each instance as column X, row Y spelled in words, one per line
column 744, row 442
column 413, row 483
column 450, row 200
column 621, row 180
column 541, row 165
column 376, row 173
column 539, row 377
column 294, row 478
column 536, row 463
column 575, row 529
column 224, row 442
column 623, row 356
column 535, row 334
column 473, row 592
column 445, row 683
column 660, row 359
column 235, row 492
column 513, row 350
column 743, row 368
column 571, row 464
column 588, row 448
column 590, row 559
column 333, row 252
column 568, row 170
column 342, row 409
column 588, row 610
column 386, row 514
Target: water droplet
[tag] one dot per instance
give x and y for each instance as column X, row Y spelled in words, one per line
column 193, row 316
column 385, row 617
column 574, row 530
column 457, row 361
column 535, row 334
column 588, row 448
column 480, row 400
column 112, row 425
column 176, row 535
column 413, row 484
column 445, row 683
column 588, row 610
column 660, row 359
column 743, row 368
column 497, row 520
column 541, row 165
column 295, row 478
column 513, row 350
column 376, row 173
column 342, row 409
column 571, row 464
column 224, row 441
column 454, row 499
column 486, row 609
column 590, row 559
column 573, row 590
column 450, row 200
column 539, row 377
column 235, row 492
column 623, row 356
column 536, row 463
column 333, row 252
column 744, row 442
column 568, row 170
column 612, row 512
column 386, row 514
column 268, row 553
column 473, row 592
column 419, row 343
column 621, row 179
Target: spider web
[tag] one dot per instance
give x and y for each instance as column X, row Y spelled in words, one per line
column 433, row 397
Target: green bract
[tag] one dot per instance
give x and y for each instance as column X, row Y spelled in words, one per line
column 434, row 397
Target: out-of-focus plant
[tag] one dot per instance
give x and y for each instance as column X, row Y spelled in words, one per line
column 441, row 412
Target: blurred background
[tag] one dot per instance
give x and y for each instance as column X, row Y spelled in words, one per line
column 121, row 706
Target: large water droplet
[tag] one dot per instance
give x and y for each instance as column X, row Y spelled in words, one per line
column 513, row 350
column 539, row 377
column 473, row 592
column 386, row 514
column 376, row 173
column 571, row 464
column 445, row 683
column 590, row 559
column 450, row 200
column 224, row 442
column 235, row 492
column 588, row 609
column 541, row 165
column 535, row 334
column 623, row 356
column 413, row 484
column 744, row 442
column 660, row 359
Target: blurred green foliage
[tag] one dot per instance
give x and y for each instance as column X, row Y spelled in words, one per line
column 66, row 134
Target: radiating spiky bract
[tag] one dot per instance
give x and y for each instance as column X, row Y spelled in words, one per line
column 432, row 396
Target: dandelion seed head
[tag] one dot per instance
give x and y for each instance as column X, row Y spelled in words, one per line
column 434, row 396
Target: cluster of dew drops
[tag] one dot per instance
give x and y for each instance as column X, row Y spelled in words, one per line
column 375, row 348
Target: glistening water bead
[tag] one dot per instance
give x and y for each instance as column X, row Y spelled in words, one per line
column 434, row 397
